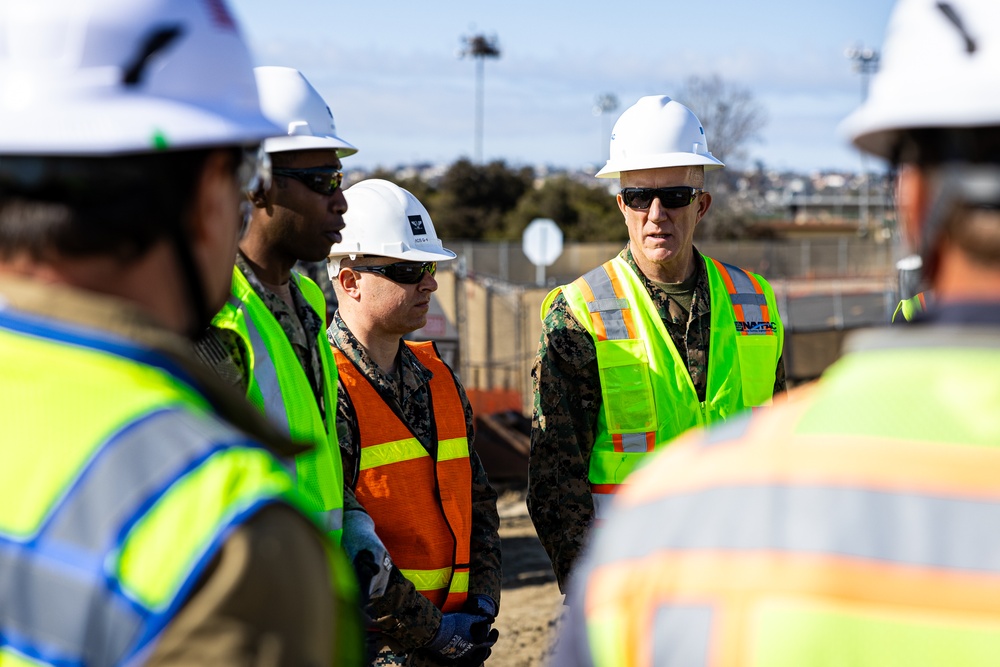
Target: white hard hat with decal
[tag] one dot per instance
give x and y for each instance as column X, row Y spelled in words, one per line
column 305, row 119
column 105, row 77
column 657, row 132
column 385, row 220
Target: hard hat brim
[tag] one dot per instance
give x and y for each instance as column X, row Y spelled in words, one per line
column 126, row 124
column 613, row 168
column 441, row 254
column 308, row 143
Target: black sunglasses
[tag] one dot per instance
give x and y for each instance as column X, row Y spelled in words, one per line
column 321, row 180
column 642, row 198
column 405, row 273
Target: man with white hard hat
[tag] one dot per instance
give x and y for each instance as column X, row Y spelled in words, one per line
column 145, row 517
column 268, row 339
column 851, row 525
column 406, row 435
column 656, row 341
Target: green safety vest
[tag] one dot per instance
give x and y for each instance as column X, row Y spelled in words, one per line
column 648, row 398
column 909, row 308
column 277, row 386
column 117, row 487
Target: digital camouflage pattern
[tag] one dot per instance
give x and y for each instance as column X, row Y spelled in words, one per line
column 404, row 615
column 223, row 350
column 567, row 391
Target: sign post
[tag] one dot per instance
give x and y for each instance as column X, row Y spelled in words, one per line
column 542, row 243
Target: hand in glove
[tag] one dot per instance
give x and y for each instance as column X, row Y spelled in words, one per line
column 463, row 639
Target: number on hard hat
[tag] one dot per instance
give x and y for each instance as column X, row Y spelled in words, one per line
column 304, row 117
column 940, row 68
column 385, row 220
column 108, row 77
column 657, row 132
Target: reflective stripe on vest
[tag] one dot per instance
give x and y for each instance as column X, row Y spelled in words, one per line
column 70, row 592
column 815, row 538
column 647, row 393
column 279, row 387
column 421, row 506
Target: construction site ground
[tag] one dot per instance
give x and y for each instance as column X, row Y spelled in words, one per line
column 531, row 603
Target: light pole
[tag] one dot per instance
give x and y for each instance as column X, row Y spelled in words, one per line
column 603, row 105
column 865, row 63
column 480, row 47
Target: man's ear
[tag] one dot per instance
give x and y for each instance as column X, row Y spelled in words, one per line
column 348, row 282
column 912, row 202
column 213, row 213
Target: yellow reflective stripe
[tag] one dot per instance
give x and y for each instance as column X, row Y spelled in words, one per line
column 391, row 452
column 434, row 580
column 456, row 448
column 430, row 580
column 792, row 632
column 460, row 582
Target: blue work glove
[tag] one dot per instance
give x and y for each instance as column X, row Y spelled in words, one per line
column 478, row 603
column 463, row 639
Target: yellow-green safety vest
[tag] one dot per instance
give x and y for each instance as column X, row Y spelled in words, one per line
column 852, row 526
column 117, row 486
column 910, row 308
column 648, row 398
column 277, row 385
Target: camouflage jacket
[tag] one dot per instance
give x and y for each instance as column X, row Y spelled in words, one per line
column 223, row 350
column 401, row 612
column 567, row 401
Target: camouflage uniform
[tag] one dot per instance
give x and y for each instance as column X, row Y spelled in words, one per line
column 405, row 619
column 567, row 401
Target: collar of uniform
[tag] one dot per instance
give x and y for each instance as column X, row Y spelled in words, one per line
column 126, row 320
column 702, row 302
column 412, row 372
column 90, row 309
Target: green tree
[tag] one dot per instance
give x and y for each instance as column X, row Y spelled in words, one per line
column 732, row 118
column 472, row 201
column 583, row 212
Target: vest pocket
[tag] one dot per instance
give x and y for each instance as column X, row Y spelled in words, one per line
column 758, row 360
column 625, row 386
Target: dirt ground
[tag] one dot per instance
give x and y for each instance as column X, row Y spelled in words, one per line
column 530, row 603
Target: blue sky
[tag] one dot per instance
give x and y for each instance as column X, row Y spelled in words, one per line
column 398, row 91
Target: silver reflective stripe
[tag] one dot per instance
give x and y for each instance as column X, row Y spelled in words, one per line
column 681, row 635
column 44, row 601
column 63, row 581
column 602, row 504
column 746, row 294
column 904, row 528
column 634, row 442
column 604, row 294
column 334, row 519
column 265, row 374
column 140, row 460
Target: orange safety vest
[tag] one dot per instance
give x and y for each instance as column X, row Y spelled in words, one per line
column 421, row 503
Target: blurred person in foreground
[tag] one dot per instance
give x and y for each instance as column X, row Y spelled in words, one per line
column 852, row 525
column 145, row 516
column 268, row 340
column 658, row 340
column 406, row 436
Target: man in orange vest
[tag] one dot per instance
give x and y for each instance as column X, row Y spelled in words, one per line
column 852, row 525
column 405, row 429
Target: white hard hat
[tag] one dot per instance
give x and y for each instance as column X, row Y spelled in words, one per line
column 105, row 77
column 304, row 117
column 657, row 132
column 384, row 219
column 940, row 68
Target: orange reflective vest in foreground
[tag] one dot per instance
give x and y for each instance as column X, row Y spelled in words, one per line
column 854, row 526
column 421, row 503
